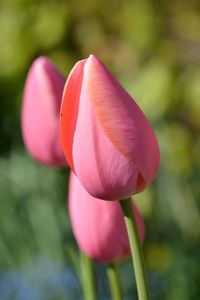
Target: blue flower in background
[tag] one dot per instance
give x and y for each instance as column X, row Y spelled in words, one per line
column 39, row 280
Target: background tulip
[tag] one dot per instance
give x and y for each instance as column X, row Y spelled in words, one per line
column 106, row 138
column 98, row 225
column 40, row 112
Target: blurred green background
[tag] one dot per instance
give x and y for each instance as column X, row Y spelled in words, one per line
column 153, row 48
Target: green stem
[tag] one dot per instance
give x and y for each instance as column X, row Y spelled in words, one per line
column 87, row 276
column 136, row 250
column 114, row 281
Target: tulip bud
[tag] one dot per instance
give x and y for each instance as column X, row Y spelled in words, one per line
column 98, row 225
column 40, row 112
column 106, row 138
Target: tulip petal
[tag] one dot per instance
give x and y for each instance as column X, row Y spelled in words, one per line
column 98, row 225
column 40, row 112
column 106, row 138
column 102, row 169
column 69, row 109
column 122, row 120
column 112, row 135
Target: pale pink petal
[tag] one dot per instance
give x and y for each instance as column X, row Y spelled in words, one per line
column 121, row 119
column 115, row 151
column 101, row 168
column 40, row 112
column 98, row 225
column 106, row 138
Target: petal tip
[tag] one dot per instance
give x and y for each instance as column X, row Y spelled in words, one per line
column 92, row 59
column 91, row 56
column 41, row 62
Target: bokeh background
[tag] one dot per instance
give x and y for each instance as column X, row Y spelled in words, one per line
column 153, row 48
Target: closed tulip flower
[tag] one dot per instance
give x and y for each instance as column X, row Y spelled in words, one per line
column 98, row 225
column 40, row 112
column 106, row 138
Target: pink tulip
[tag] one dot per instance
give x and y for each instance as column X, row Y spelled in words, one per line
column 40, row 112
column 106, row 138
column 98, row 225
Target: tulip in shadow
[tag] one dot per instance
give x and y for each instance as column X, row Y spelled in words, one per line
column 98, row 225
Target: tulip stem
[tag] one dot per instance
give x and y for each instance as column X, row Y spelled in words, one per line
column 87, row 277
column 114, row 281
column 136, row 250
